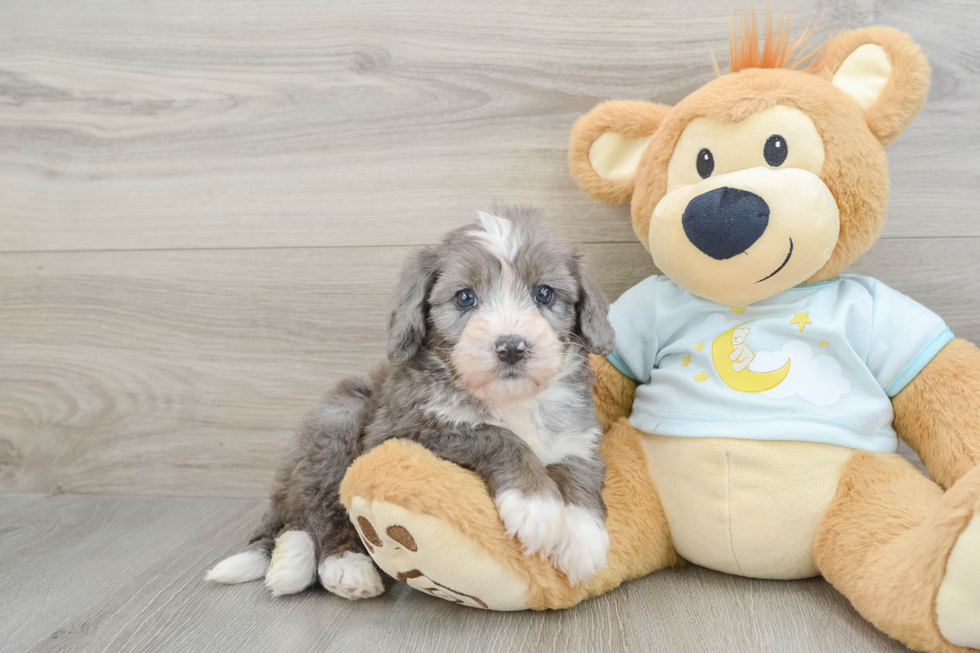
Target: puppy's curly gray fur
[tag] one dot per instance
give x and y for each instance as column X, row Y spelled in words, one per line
column 416, row 394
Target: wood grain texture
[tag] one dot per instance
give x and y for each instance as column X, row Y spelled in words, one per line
column 203, row 209
column 126, row 574
column 184, row 372
column 248, row 123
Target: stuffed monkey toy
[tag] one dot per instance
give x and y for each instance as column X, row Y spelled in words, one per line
column 754, row 402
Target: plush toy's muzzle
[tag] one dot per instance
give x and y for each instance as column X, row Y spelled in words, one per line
column 740, row 237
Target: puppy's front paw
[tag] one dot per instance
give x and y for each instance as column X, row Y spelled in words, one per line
column 581, row 553
column 537, row 521
column 351, row 576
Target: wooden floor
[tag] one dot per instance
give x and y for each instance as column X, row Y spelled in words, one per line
column 203, row 208
column 82, row 573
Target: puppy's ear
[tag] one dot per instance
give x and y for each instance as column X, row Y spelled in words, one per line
column 606, row 145
column 592, row 311
column 884, row 71
column 407, row 323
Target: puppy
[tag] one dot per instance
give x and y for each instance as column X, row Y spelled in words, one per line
column 488, row 368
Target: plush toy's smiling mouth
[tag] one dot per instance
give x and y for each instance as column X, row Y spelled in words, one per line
column 785, row 261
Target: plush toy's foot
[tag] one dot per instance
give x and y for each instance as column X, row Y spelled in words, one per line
column 432, row 556
column 906, row 554
column 432, row 524
column 958, row 599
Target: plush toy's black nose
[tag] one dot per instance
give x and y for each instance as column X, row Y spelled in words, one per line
column 510, row 349
column 725, row 221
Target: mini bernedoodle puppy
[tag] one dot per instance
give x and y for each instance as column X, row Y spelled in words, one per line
column 488, row 368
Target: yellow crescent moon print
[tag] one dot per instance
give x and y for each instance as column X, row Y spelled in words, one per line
column 744, row 381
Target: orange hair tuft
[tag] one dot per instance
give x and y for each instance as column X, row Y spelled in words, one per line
column 777, row 51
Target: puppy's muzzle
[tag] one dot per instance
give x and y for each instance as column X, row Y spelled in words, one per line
column 510, row 349
column 725, row 222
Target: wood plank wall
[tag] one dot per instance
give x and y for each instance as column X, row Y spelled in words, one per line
column 204, row 205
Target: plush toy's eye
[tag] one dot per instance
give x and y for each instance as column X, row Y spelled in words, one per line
column 706, row 163
column 466, row 299
column 543, row 295
column 775, row 150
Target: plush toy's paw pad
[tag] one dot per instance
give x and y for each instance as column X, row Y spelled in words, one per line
column 351, row 576
column 581, row 554
column 240, row 568
column 433, row 556
column 958, row 600
column 537, row 521
column 293, row 566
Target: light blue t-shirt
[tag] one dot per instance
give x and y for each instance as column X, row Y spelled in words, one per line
column 817, row 363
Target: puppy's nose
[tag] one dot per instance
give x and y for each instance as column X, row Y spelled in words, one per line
column 725, row 221
column 510, row 349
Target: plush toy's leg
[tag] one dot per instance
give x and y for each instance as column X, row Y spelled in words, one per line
column 433, row 525
column 905, row 554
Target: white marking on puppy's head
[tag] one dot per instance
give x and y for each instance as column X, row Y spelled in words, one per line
column 500, row 235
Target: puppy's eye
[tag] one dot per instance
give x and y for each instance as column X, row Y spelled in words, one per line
column 466, row 299
column 706, row 163
column 775, row 150
column 543, row 295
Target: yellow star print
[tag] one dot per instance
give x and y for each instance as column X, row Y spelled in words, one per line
column 824, row 343
column 801, row 319
column 687, row 361
column 699, row 346
column 701, row 378
column 737, row 309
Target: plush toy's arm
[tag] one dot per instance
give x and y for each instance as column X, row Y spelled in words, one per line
column 938, row 413
column 613, row 392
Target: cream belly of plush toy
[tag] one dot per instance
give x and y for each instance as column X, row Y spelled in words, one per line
column 745, row 507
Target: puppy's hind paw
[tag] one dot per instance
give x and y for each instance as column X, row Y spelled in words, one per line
column 351, row 576
column 293, row 567
column 581, row 554
column 537, row 521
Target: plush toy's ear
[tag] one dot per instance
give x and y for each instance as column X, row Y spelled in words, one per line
column 884, row 71
column 606, row 145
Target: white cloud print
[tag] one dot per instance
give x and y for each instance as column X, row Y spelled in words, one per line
column 817, row 379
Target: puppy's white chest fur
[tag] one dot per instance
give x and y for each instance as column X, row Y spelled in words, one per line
column 542, row 423
column 525, row 420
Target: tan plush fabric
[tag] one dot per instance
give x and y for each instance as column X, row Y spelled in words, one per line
column 937, row 413
column 629, row 119
column 639, row 537
column 613, row 392
column 885, row 540
column 903, row 95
